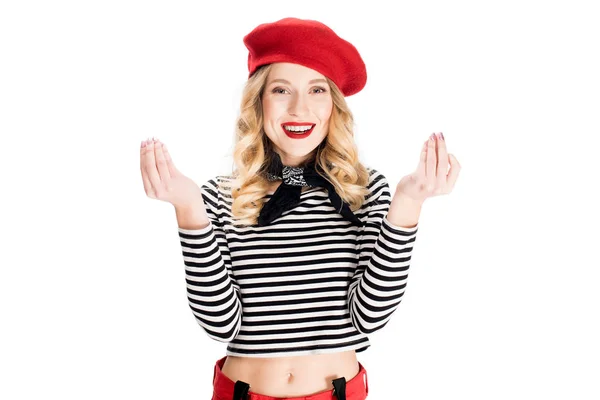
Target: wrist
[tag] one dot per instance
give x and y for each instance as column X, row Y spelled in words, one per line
column 191, row 216
column 408, row 200
column 189, row 206
column 404, row 211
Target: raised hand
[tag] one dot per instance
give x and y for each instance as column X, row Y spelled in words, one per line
column 162, row 180
column 431, row 177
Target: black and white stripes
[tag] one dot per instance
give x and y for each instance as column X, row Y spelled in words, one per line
column 308, row 283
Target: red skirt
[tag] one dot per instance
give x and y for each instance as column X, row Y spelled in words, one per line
column 356, row 388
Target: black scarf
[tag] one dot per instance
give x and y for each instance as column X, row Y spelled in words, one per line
column 287, row 195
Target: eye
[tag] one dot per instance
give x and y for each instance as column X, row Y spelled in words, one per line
column 279, row 90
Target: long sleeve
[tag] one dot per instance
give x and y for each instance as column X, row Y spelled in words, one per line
column 213, row 294
column 385, row 250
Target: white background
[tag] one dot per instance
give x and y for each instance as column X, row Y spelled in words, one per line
column 502, row 300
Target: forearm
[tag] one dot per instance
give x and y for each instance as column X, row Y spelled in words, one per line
column 192, row 217
column 212, row 293
column 380, row 278
column 404, row 212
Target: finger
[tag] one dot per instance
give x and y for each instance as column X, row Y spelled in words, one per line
column 145, row 180
column 172, row 170
column 151, row 168
column 161, row 163
column 442, row 167
column 421, row 172
column 431, row 164
column 454, row 171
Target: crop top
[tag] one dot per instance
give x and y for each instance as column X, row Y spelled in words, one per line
column 308, row 283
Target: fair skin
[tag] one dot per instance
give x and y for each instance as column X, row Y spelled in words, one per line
column 298, row 100
column 294, row 93
column 431, row 178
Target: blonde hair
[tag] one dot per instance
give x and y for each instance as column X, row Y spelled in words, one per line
column 336, row 157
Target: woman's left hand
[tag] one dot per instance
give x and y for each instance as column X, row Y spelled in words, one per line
column 431, row 177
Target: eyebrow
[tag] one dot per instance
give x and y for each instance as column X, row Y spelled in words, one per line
column 289, row 83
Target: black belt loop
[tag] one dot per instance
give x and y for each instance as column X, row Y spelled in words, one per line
column 240, row 391
column 241, row 388
column 339, row 388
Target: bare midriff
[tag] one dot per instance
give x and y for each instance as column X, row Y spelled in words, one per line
column 292, row 376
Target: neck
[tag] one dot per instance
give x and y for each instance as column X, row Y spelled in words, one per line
column 293, row 161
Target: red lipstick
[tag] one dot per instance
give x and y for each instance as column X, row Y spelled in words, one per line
column 298, row 135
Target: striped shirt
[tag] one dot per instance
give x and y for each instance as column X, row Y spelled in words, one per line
column 308, row 283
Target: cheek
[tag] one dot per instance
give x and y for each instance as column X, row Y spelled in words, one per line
column 272, row 109
column 324, row 111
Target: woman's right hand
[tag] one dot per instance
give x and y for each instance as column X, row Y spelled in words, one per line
column 162, row 180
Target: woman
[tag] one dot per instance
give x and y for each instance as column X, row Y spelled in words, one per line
column 299, row 254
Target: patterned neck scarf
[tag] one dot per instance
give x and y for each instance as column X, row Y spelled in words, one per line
column 287, row 195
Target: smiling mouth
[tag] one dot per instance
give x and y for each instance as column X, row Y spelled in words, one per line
column 298, row 129
column 299, row 132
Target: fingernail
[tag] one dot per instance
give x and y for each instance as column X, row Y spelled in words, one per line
column 143, row 143
column 442, row 136
column 432, row 137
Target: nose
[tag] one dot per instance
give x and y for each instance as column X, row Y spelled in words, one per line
column 298, row 105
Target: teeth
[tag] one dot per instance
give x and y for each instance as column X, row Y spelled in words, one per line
column 297, row 128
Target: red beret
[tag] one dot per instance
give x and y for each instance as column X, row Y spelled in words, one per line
column 309, row 43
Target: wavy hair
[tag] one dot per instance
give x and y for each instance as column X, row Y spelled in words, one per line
column 336, row 157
